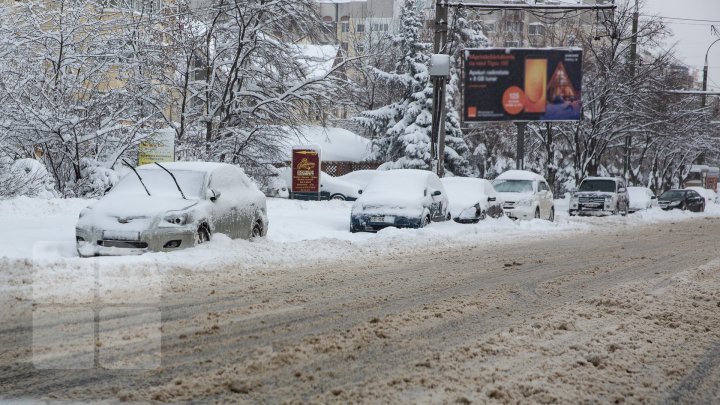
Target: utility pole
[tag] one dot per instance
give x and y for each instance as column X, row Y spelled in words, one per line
column 705, row 69
column 437, row 135
column 520, row 147
column 633, row 57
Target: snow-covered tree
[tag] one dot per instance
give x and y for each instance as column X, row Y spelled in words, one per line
column 402, row 129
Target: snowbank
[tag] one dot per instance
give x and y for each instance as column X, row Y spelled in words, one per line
column 301, row 233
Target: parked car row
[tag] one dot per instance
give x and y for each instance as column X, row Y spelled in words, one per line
column 170, row 206
column 413, row 198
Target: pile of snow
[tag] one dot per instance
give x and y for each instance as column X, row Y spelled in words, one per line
column 301, row 233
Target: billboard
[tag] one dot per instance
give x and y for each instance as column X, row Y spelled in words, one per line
column 522, row 84
column 306, row 172
column 158, row 147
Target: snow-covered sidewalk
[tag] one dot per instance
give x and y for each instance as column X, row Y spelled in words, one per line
column 300, row 232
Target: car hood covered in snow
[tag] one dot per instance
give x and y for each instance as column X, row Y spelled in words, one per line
column 108, row 212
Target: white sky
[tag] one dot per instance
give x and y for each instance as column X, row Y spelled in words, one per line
column 691, row 38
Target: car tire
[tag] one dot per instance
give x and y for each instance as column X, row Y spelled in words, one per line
column 572, row 213
column 616, row 210
column 702, row 207
column 338, row 197
column 625, row 211
column 537, row 213
column 202, row 235
column 257, row 230
column 551, row 218
column 683, row 206
column 448, row 216
column 482, row 216
column 425, row 221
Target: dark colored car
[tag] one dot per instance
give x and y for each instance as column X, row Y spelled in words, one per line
column 682, row 199
column 404, row 198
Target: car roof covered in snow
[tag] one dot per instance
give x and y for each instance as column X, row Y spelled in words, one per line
column 520, row 175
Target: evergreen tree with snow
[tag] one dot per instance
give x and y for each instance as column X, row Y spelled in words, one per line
column 465, row 33
column 402, row 129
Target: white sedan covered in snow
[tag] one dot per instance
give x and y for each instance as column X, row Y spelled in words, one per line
column 525, row 195
column 472, row 199
column 641, row 198
column 172, row 206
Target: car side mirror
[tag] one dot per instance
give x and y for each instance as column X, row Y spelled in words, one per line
column 491, row 199
column 622, row 190
column 653, row 198
column 359, row 191
column 215, row 195
column 436, row 193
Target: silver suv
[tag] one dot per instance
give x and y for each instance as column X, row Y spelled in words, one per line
column 600, row 196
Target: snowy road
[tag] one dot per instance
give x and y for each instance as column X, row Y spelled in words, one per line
column 618, row 314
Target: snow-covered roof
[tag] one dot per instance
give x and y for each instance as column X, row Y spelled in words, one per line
column 520, row 175
column 335, row 143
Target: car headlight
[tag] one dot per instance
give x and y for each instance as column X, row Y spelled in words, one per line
column 525, row 202
column 675, row 202
column 176, row 219
column 608, row 197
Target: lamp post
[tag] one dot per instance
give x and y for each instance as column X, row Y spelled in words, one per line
column 705, row 70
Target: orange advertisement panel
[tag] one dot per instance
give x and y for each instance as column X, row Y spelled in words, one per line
column 306, row 169
column 522, row 84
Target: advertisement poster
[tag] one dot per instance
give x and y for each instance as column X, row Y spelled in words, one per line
column 306, row 172
column 522, row 84
column 158, row 147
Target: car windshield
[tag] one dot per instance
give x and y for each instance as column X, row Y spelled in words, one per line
column 513, row 186
column 672, row 195
column 160, row 183
column 598, row 185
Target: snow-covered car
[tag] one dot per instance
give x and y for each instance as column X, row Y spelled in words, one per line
column 359, row 177
column 600, row 196
column 709, row 195
column 471, row 199
column 641, row 198
column 682, row 199
column 172, row 206
column 525, row 195
column 331, row 187
column 403, row 198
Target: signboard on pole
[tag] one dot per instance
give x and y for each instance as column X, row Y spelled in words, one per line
column 306, row 172
column 158, row 147
column 522, row 84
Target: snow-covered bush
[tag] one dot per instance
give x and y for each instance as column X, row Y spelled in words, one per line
column 25, row 177
column 96, row 178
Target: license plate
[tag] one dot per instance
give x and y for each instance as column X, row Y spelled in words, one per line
column 386, row 219
column 121, row 235
column 593, row 205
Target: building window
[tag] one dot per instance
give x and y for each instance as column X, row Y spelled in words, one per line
column 344, row 46
column 512, row 44
column 360, row 28
column 515, row 27
column 344, row 27
column 490, row 26
column 536, row 29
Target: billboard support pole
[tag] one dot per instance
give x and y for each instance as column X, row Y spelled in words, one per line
column 520, row 151
column 437, row 135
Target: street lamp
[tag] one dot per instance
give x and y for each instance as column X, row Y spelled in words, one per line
column 705, row 70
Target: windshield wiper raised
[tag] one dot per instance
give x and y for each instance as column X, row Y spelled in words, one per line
column 174, row 179
column 125, row 162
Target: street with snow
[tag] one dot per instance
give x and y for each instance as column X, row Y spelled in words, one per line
column 583, row 309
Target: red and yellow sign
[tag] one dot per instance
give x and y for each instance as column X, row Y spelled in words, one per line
column 306, row 169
